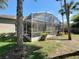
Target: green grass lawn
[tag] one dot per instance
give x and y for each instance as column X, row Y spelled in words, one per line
column 39, row 49
column 5, row 47
column 74, row 36
column 45, row 47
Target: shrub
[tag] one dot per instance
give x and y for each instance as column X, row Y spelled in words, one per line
column 3, row 35
column 7, row 37
column 44, row 33
column 43, row 37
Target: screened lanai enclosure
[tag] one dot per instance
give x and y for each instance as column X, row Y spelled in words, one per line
column 37, row 23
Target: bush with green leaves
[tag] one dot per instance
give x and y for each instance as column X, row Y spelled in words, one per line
column 44, row 33
column 43, row 36
column 75, row 24
column 8, row 37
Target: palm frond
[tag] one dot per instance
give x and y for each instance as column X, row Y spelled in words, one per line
column 71, row 3
column 3, row 4
column 76, row 9
column 58, row 0
column 75, row 6
column 61, row 11
column 77, row 3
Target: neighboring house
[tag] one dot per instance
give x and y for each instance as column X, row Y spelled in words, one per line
column 34, row 25
column 7, row 23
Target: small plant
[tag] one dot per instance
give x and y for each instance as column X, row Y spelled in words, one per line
column 43, row 37
column 44, row 33
column 2, row 35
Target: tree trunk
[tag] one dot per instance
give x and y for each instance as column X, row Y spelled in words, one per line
column 19, row 28
column 19, row 23
column 68, row 22
column 63, row 23
column 69, row 31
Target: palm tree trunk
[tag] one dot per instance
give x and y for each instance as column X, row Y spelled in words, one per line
column 63, row 23
column 62, row 18
column 19, row 28
column 68, row 22
column 69, row 31
column 19, row 23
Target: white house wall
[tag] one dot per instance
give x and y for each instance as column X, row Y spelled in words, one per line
column 7, row 28
column 7, row 25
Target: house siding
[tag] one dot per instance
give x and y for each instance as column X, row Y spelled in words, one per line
column 7, row 28
column 7, row 25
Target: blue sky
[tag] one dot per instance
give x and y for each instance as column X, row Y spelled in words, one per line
column 30, row 6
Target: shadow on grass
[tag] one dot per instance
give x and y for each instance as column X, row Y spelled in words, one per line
column 7, row 39
column 58, row 39
column 61, row 39
column 66, row 55
column 5, row 49
column 32, row 52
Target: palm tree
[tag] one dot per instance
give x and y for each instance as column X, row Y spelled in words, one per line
column 62, row 12
column 67, row 10
column 3, row 4
column 68, row 7
column 67, row 16
column 19, row 23
column 19, row 28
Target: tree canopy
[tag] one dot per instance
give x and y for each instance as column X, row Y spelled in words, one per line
column 75, row 20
